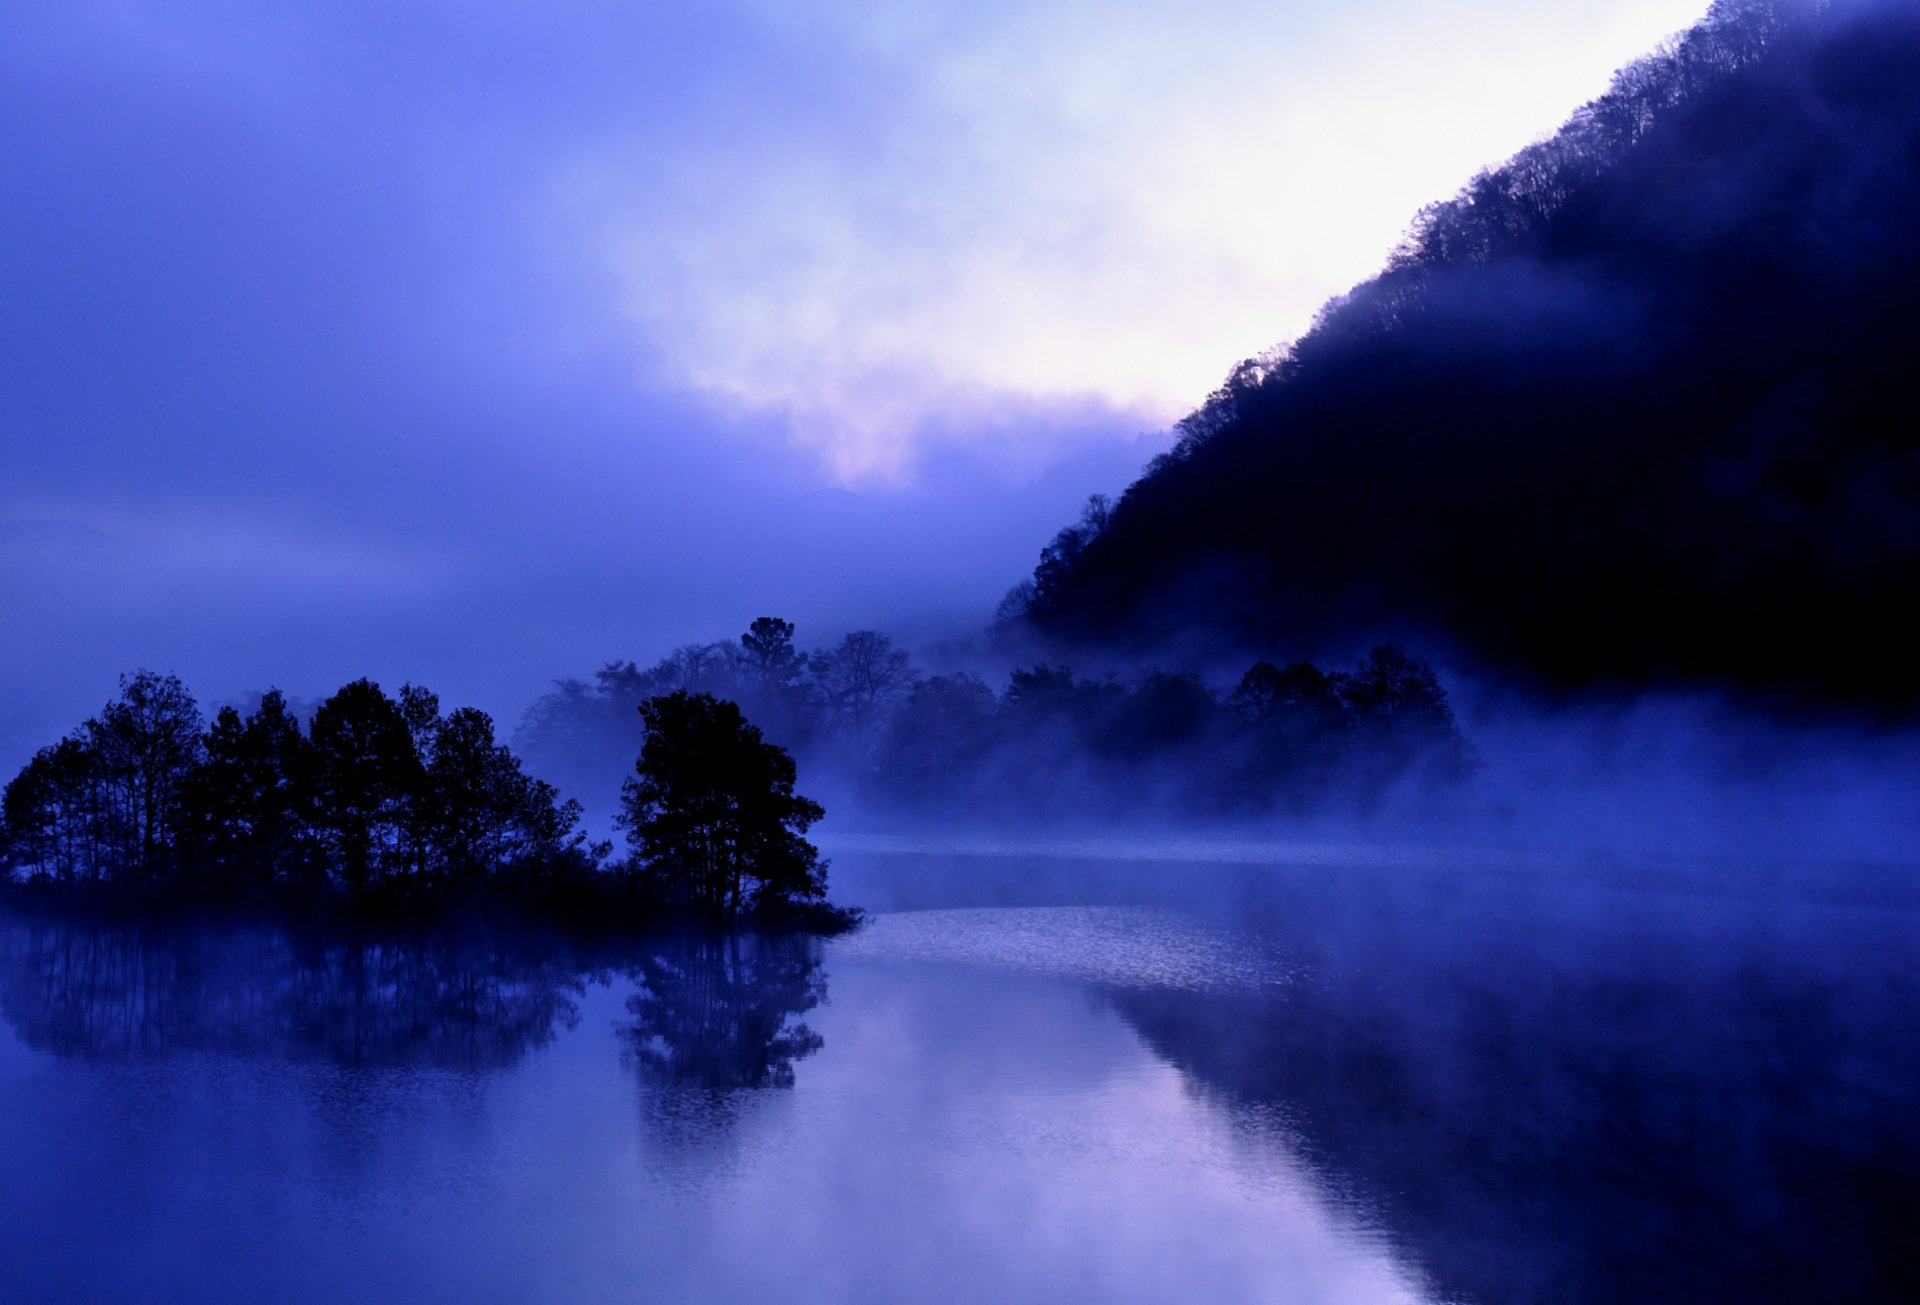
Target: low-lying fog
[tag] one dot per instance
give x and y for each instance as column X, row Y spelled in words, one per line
column 1143, row 1075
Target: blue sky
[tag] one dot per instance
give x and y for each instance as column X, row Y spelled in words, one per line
column 477, row 343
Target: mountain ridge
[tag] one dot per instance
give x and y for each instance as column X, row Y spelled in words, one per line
column 1633, row 408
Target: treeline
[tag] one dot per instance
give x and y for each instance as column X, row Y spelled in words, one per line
column 381, row 801
column 1047, row 743
column 386, row 804
column 1632, row 409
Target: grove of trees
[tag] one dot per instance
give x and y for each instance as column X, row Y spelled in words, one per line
column 381, row 799
column 388, row 804
column 1048, row 743
column 714, row 825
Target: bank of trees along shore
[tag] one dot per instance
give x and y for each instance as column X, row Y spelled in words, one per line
column 1048, row 743
column 388, row 805
column 378, row 797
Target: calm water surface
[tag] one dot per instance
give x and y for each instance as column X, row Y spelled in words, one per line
column 1152, row 1077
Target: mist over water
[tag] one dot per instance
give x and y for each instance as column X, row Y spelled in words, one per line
column 1151, row 1075
column 1449, row 834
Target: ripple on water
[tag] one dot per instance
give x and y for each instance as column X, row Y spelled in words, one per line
column 1121, row 946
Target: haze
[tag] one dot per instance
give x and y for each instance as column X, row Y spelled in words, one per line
column 475, row 344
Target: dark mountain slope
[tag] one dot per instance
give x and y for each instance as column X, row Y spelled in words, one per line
column 1638, row 407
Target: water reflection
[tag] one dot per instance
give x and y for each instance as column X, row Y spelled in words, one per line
column 720, row 1013
column 1570, row 1083
column 1408, row 1085
column 97, row 991
column 1570, row 1099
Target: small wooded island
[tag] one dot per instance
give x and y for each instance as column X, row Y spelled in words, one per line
column 386, row 808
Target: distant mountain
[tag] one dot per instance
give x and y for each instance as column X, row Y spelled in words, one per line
column 1640, row 406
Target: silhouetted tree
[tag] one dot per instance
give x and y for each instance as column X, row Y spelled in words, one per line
column 1401, row 716
column 55, row 816
column 940, row 735
column 105, row 803
column 771, row 678
column 696, row 668
column 387, row 806
column 368, row 773
column 767, row 654
column 249, row 802
column 1058, row 558
column 1050, row 698
column 484, row 813
column 711, row 815
column 475, row 794
column 146, row 744
column 720, row 1012
column 1015, row 603
column 1295, row 714
column 1159, row 712
column 861, row 677
column 1164, row 740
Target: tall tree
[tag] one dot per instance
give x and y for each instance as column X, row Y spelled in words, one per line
column 771, row 678
column 484, row 813
column 862, row 676
column 146, row 743
column 53, row 816
column 767, row 653
column 367, row 774
column 711, row 815
column 248, row 802
column 1402, row 718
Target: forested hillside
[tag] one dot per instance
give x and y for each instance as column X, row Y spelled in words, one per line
column 1637, row 407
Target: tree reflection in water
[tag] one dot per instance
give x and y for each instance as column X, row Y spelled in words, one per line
column 99, row 991
column 1677, row 1097
column 720, row 1013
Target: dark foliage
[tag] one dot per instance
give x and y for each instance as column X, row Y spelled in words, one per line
column 713, row 1014
column 721, row 1012
column 715, row 827
column 1296, row 740
column 117, row 991
column 385, row 806
column 1636, row 407
column 1052, row 744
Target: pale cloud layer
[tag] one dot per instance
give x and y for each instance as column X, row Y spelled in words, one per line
column 478, row 341
column 956, row 210
column 883, row 226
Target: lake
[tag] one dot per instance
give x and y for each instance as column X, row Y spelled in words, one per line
column 1113, row 1071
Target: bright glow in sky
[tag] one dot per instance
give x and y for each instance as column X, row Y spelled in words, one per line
column 941, row 211
column 479, row 342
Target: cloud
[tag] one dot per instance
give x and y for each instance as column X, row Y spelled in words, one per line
column 881, row 224
column 478, row 342
column 939, row 210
